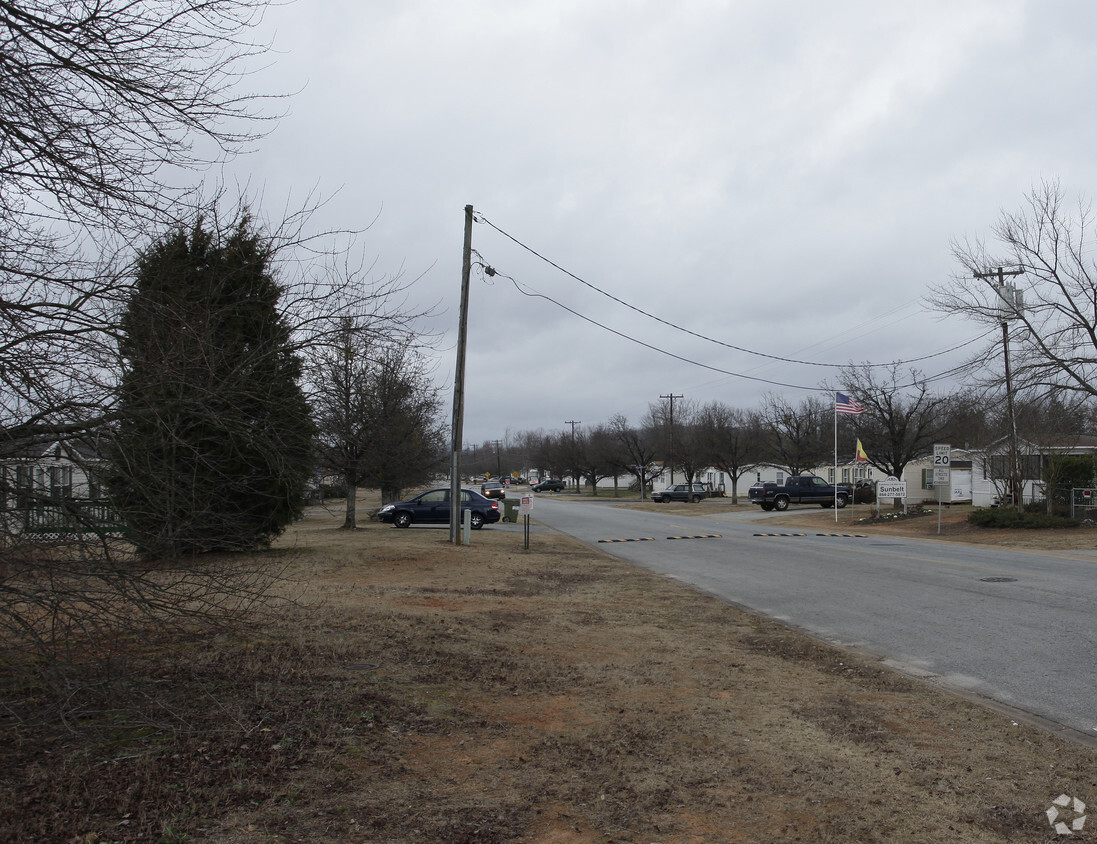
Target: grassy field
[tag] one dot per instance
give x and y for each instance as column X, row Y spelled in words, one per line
column 408, row 690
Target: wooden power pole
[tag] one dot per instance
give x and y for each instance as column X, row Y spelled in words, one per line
column 1009, row 310
column 670, row 451
column 459, row 388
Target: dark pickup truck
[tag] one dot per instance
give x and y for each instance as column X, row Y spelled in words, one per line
column 802, row 489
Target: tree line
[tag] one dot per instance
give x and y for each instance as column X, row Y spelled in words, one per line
column 902, row 421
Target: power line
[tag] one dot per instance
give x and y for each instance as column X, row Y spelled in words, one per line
column 538, row 295
column 481, row 218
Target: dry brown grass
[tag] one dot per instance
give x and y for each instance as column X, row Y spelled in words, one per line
column 420, row 692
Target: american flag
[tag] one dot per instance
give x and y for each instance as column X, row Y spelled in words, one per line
column 844, row 404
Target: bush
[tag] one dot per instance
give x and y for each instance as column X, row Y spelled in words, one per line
column 1058, row 508
column 1001, row 517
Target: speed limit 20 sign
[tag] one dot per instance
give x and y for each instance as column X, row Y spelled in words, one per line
column 941, row 472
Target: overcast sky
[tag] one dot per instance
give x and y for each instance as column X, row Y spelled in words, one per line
column 783, row 177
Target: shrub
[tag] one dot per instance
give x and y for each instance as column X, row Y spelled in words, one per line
column 1002, row 517
column 1058, row 507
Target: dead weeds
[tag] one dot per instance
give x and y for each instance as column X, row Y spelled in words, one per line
column 416, row 691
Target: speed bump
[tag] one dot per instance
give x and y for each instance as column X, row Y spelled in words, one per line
column 699, row 536
column 847, row 535
column 780, row 534
column 638, row 539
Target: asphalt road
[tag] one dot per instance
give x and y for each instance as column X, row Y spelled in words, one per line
column 1016, row 627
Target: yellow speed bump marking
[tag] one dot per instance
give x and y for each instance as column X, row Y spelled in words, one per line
column 780, row 534
column 699, row 536
column 638, row 539
column 847, row 535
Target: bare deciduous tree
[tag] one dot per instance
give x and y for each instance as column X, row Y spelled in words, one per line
column 1052, row 331
column 903, row 417
column 379, row 417
column 108, row 109
column 730, row 440
column 597, row 456
column 641, row 448
column 796, row 436
column 104, row 101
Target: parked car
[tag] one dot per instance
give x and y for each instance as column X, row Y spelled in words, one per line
column 493, row 489
column 432, row 507
column 864, row 491
column 551, row 485
column 681, row 492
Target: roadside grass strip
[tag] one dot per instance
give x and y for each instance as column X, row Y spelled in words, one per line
column 847, row 535
column 638, row 539
column 780, row 534
column 699, row 536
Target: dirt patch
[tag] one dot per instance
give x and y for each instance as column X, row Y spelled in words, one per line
column 417, row 691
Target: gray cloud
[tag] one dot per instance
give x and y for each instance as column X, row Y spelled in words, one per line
column 779, row 176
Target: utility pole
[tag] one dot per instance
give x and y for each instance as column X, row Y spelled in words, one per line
column 573, row 468
column 498, row 462
column 670, row 451
column 459, row 388
column 1009, row 302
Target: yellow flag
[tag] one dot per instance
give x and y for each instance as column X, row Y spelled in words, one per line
column 861, row 456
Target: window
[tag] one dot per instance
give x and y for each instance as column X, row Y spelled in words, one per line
column 1029, row 464
column 60, row 482
column 845, row 476
column 830, row 475
column 780, row 478
column 24, row 486
column 927, row 478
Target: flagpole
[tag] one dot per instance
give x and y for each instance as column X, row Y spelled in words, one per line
column 835, row 458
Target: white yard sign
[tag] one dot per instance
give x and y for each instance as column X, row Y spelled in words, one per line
column 891, row 487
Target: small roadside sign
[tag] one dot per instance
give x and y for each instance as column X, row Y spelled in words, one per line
column 525, row 507
column 942, row 473
column 891, row 487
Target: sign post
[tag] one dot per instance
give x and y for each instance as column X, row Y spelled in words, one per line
column 942, row 475
column 525, row 507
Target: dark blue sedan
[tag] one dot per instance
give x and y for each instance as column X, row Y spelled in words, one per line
column 432, row 507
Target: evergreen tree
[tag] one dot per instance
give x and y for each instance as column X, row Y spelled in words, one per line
column 378, row 414
column 214, row 448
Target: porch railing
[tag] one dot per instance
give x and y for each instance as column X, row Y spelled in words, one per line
column 68, row 516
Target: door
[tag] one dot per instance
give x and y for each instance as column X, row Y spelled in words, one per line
column 961, row 485
column 433, row 506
